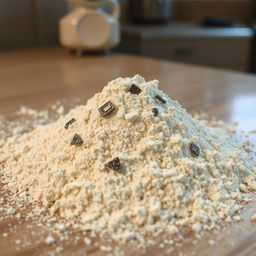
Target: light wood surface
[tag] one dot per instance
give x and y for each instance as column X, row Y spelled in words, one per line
column 39, row 77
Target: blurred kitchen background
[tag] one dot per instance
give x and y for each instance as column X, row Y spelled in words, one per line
column 217, row 33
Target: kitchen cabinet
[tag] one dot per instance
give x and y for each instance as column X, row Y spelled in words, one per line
column 228, row 48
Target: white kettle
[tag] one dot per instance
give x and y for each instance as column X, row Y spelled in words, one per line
column 88, row 27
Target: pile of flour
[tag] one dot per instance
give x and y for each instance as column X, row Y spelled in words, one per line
column 157, row 184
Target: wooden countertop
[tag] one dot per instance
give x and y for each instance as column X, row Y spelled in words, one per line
column 39, row 77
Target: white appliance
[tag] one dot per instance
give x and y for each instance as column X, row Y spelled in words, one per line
column 88, row 27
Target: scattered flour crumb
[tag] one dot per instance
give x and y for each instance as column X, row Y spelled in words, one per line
column 60, row 226
column 253, row 218
column 211, row 242
column 105, row 248
column 59, row 249
column 237, row 218
column 10, row 210
column 50, row 240
column 17, row 241
column 60, row 110
column 87, row 241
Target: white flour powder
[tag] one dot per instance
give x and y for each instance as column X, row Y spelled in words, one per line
column 156, row 182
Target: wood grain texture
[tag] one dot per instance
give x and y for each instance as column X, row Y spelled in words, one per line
column 39, row 77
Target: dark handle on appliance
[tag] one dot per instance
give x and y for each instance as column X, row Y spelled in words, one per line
column 184, row 51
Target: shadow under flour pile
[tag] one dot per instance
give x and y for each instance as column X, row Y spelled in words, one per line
column 129, row 162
